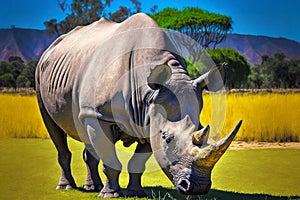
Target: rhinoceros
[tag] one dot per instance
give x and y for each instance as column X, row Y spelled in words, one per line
column 109, row 81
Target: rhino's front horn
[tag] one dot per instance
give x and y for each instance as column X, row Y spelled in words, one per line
column 208, row 155
column 200, row 137
column 224, row 143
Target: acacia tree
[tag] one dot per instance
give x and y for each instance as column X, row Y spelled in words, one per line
column 208, row 29
column 205, row 28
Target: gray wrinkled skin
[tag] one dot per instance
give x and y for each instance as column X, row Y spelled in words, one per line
column 124, row 81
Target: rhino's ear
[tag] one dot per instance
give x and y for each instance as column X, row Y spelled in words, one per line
column 212, row 80
column 159, row 76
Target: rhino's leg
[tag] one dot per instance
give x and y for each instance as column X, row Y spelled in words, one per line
column 66, row 181
column 93, row 181
column 101, row 138
column 59, row 139
column 111, row 188
column 136, row 167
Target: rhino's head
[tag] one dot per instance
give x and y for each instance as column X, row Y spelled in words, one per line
column 178, row 140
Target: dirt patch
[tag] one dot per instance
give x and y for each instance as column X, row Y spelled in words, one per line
column 238, row 145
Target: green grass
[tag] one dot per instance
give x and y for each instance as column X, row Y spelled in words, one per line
column 271, row 171
column 29, row 170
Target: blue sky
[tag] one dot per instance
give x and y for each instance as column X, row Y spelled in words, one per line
column 256, row 17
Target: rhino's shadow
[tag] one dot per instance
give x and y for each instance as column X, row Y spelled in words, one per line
column 166, row 194
column 162, row 193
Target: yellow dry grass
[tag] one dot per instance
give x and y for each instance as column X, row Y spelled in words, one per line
column 268, row 117
column 20, row 117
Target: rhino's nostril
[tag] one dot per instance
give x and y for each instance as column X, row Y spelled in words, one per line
column 184, row 185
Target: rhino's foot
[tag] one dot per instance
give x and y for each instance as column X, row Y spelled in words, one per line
column 115, row 194
column 136, row 193
column 92, row 188
column 65, row 187
column 66, row 184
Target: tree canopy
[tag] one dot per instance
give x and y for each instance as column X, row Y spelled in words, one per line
column 84, row 12
column 236, row 70
column 206, row 28
column 16, row 74
column 78, row 13
column 276, row 72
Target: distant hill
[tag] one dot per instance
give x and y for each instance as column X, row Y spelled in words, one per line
column 253, row 47
column 30, row 43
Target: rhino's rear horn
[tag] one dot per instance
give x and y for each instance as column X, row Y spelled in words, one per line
column 200, row 137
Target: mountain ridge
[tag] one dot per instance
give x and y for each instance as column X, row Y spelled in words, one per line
column 30, row 44
column 254, row 46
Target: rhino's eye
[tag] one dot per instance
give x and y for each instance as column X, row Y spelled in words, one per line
column 163, row 134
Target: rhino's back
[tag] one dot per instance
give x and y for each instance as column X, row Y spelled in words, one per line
column 60, row 66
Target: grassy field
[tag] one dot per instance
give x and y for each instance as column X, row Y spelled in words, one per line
column 29, row 170
column 272, row 117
